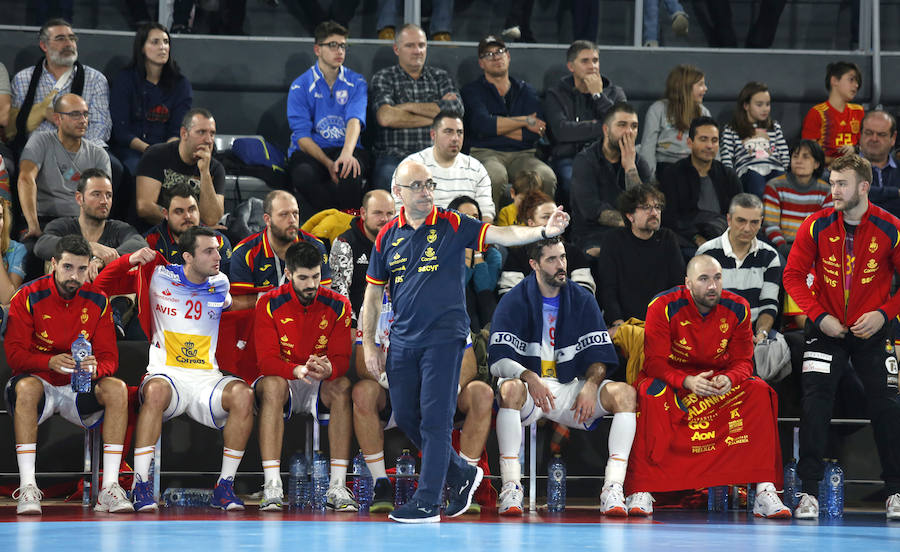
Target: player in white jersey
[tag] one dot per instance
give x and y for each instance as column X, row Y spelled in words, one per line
column 186, row 303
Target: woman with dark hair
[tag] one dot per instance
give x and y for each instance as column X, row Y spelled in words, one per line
column 148, row 98
column 482, row 271
column 753, row 144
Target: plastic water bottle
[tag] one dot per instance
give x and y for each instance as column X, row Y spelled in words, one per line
column 556, row 484
column 81, row 379
column 831, row 491
column 319, row 480
column 363, row 486
column 791, row 485
column 187, row 498
column 718, row 499
column 406, row 486
column 298, row 481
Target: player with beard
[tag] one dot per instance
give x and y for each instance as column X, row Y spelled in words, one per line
column 302, row 337
column 853, row 249
column 257, row 264
column 550, row 349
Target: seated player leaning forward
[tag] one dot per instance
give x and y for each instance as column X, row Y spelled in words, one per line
column 703, row 420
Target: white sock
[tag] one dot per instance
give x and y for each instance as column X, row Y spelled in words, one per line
column 142, row 458
column 272, row 470
column 112, row 459
column 375, row 462
column 469, row 461
column 231, row 459
column 765, row 486
column 339, row 472
column 26, row 453
column 509, row 440
column 621, row 436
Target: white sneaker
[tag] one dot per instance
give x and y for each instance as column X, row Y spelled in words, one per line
column 612, row 501
column 640, row 504
column 340, row 499
column 29, row 498
column 892, row 506
column 272, row 496
column 113, row 499
column 511, row 496
column 807, row 507
column 768, row 505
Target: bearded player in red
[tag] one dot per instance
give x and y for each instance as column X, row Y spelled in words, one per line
column 703, row 420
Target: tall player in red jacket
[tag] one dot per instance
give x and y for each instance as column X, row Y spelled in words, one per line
column 854, row 251
column 45, row 317
column 302, row 338
column 704, row 419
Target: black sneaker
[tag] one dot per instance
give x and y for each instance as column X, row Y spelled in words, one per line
column 462, row 490
column 416, row 512
column 383, row 501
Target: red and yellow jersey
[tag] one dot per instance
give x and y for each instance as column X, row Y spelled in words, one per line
column 832, row 128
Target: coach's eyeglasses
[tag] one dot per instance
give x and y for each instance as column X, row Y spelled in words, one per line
column 651, row 207
column 418, row 185
column 334, row 45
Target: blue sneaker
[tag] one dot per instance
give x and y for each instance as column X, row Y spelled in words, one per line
column 416, row 512
column 462, row 490
column 223, row 497
column 142, row 495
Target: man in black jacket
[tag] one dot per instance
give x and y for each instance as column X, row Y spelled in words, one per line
column 699, row 189
column 575, row 108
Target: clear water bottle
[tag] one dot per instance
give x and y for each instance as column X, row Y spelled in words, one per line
column 792, row 485
column 718, row 499
column 319, row 480
column 187, row 498
column 406, row 486
column 363, row 486
column 81, row 379
column 556, row 484
column 831, row 489
column 298, row 481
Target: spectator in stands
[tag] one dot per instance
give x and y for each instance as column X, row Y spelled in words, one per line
column 699, row 188
column 664, row 141
column 45, row 318
column 698, row 350
column 188, row 159
column 750, row 267
column 405, row 99
column 848, row 307
column 537, row 207
column 715, row 19
column 876, row 144
column 440, row 26
column 835, row 123
column 795, row 195
column 680, row 22
column 326, row 109
column 149, row 98
column 639, row 260
column 6, row 154
column 503, row 116
column 181, row 213
column 602, row 172
column 257, row 263
column 455, row 174
column 482, row 271
column 524, row 183
column 107, row 237
column 302, row 336
column 12, row 271
column 576, row 107
column 753, row 144
column 548, row 312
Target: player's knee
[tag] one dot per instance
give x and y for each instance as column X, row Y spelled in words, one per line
column 239, row 399
column 272, row 388
column 624, row 397
column 512, row 394
column 481, row 398
column 112, row 392
column 28, row 392
column 156, row 394
column 337, row 391
column 365, row 396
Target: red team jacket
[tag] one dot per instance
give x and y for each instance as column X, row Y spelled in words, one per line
column 286, row 332
column 876, row 255
column 42, row 325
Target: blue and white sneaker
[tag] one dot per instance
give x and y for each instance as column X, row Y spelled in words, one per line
column 142, row 495
column 416, row 512
column 223, row 497
column 462, row 490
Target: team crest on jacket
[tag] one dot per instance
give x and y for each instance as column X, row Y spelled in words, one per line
column 432, row 236
column 323, row 323
column 873, row 245
column 341, row 96
column 723, row 327
column 84, row 316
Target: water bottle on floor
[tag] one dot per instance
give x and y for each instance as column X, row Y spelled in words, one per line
column 791, row 485
column 406, row 486
column 833, row 504
column 556, row 484
column 81, row 379
column 319, row 480
column 187, row 498
column 363, row 486
column 298, row 481
column 718, row 499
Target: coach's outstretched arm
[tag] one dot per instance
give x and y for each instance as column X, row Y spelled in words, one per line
column 518, row 235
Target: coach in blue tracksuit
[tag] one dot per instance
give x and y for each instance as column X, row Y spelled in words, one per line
column 420, row 255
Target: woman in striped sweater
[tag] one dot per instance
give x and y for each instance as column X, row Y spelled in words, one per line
column 753, row 144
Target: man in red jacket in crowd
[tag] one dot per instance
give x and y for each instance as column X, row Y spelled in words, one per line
column 703, row 420
column 302, row 339
column 46, row 316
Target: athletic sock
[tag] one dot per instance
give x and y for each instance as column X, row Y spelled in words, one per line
column 339, row 472
column 509, row 440
column 25, row 456
column 621, row 436
column 142, row 458
column 375, row 462
column 272, row 470
column 112, row 459
column 231, row 459
column 469, row 461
